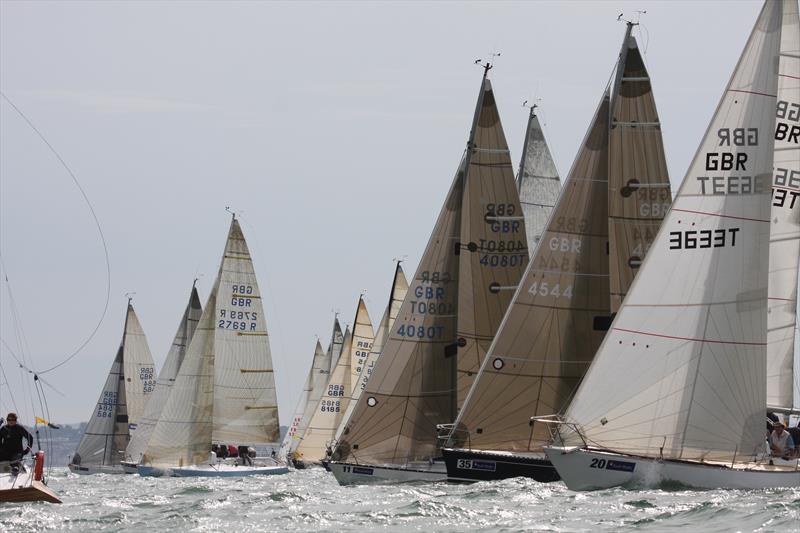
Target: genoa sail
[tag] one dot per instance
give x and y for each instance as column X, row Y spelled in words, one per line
column 166, row 377
column 682, row 372
column 121, row 404
column 317, row 375
column 538, row 181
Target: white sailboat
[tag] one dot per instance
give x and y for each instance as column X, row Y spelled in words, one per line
column 224, row 392
column 614, row 199
column 166, row 377
column 678, row 390
column 538, row 182
column 365, row 365
column 129, row 384
column 316, row 442
column 474, row 259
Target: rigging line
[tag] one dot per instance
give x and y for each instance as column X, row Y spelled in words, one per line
column 99, row 230
column 13, row 400
column 26, row 369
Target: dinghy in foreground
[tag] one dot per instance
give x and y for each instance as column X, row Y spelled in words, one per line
column 19, row 483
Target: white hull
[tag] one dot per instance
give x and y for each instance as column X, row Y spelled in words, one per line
column 18, row 484
column 95, row 469
column 216, row 470
column 583, row 469
column 353, row 474
column 129, row 467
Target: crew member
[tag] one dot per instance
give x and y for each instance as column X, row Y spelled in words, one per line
column 11, row 437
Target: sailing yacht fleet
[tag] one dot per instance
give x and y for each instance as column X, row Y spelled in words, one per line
column 602, row 332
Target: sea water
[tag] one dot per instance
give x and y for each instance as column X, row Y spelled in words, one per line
column 311, row 500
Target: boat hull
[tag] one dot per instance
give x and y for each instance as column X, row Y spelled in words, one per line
column 466, row 466
column 212, row 471
column 86, row 470
column 584, row 469
column 129, row 467
column 354, row 474
column 22, row 487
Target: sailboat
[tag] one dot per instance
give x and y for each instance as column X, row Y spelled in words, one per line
column 166, row 377
column 119, row 409
column 678, row 390
column 537, row 182
column 224, row 392
column 320, row 382
column 612, row 204
column 474, row 259
column 365, row 365
column 318, row 437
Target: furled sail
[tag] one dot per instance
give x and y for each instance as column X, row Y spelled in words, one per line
column 682, row 372
column 784, row 251
column 317, row 375
column 331, row 407
column 537, row 181
column 225, row 389
column 562, row 310
column 396, row 297
column 475, row 256
column 121, row 404
column 166, row 377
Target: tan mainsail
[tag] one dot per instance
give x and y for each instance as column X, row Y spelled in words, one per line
column 784, row 254
column 128, row 386
column 682, row 372
column 396, row 297
column 317, row 376
column 225, row 389
column 611, row 204
column 414, row 387
column 331, row 407
column 537, row 181
column 493, row 249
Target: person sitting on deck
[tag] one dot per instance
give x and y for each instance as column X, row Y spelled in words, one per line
column 11, row 437
column 780, row 442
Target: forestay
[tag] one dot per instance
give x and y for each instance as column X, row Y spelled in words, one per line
column 784, row 251
column 682, row 373
column 538, row 181
column 166, row 377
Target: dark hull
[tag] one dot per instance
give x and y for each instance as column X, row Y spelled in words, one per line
column 477, row 465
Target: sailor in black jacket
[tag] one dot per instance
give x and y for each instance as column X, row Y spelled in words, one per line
column 11, row 437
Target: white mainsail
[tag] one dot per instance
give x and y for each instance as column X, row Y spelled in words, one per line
column 225, row 389
column 682, row 372
column 333, row 403
column 166, row 377
column 121, row 404
column 784, row 252
column 538, row 181
column 396, row 297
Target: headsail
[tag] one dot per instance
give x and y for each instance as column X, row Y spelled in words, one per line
column 166, row 377
column 682, row 373
column 784, row 251
column 560, row 314
column 396, row 297
column 537, row 181
column 317, row 375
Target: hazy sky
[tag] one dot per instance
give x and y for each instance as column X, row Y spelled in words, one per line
column 335, row 128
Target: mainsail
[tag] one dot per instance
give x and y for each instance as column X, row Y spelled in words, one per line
column 784, row 251
column 225, row 389
column 475, row 256
column 166, row 378
column 130, row 382
column 607, row 215
column 682, row 372
column 537, row 181
column 396, row 297
column 334, row 401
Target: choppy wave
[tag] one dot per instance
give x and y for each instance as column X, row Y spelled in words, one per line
column 311, row 500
